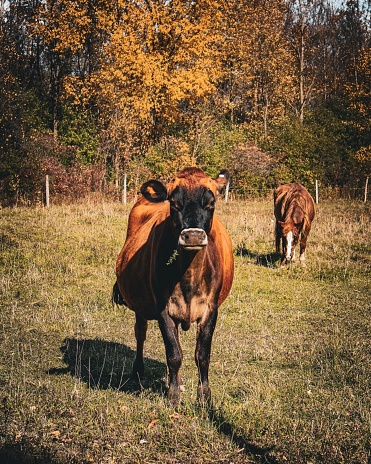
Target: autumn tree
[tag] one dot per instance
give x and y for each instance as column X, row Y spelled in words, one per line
column 161, row 56
column 145, row 86
column 302, row 19
column 258, row 80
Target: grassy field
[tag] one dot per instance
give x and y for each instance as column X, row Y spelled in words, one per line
column 290, row 370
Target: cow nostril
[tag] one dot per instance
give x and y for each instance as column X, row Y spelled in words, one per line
column 193, row 238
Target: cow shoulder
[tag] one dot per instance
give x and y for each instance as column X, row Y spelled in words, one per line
column 222, row 256
column 144, row 215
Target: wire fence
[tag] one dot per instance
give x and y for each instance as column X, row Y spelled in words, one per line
column 324, row 193
column 318, row 192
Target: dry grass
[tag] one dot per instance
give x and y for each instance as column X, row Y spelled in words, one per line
column 290, row 368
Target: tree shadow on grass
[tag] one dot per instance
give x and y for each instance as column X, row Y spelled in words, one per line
column 103, row 365
column 237, row 436
column 261, row 259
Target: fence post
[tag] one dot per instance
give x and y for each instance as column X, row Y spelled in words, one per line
column 226, row 192
column 47, row 190
column 124, row 189
column 316, row 192
column 366, row 188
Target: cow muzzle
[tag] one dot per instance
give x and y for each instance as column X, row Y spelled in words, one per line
column 193, row 239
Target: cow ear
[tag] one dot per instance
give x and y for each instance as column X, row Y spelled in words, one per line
column 154, row 191
column 222, row 180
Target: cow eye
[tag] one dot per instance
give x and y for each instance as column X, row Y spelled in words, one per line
column 208, row 201
column 210, row 204
column 175, row 205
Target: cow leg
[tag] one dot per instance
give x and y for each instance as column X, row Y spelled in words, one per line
column 174, row 355
column 205, row 333
column 303, row 245
column 293, row 254
column 278, row 235
column 284, row 252
column 140, row 335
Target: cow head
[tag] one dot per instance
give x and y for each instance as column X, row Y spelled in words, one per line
column 291, row 231
column 191, row 195
column 289, row 237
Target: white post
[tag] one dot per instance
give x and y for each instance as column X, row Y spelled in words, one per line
column 47, row 190
column 366, row 188
column 124, row 190
column 226, row 191
column 316, row 192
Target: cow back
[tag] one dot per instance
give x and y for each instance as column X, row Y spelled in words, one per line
column 292, row 202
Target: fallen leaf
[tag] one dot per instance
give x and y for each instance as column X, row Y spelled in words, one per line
column 153, row 423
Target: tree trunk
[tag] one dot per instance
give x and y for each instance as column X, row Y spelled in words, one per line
column 302, row 67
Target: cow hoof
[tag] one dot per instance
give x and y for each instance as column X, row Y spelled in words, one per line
column 138, row 372
column 135, row 377
column 204, row 396
column 173, row 396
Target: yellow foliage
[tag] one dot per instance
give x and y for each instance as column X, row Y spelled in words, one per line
column 363, row 155
column 157, row 55
column 63, row 24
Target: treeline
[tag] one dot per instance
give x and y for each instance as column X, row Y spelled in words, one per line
column 273, row 90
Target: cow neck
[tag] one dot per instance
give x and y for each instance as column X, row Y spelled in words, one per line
column 172, row 257
column 187, row 258
column 179, row 259
column 183, row 258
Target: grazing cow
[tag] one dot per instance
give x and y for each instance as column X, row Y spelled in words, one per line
column 294, row 210
column 176, row 267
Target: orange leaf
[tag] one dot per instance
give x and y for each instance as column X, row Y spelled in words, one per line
column 153, row 423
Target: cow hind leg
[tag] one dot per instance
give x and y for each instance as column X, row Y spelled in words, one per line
column 174, row 356
column 202, row 356
column 140, row 335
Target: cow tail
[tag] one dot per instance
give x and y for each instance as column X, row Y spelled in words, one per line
column 116, row 296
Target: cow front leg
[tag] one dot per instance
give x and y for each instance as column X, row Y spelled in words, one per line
column 284, row 259
column 140, row 335
column 174, row 355
column 303, row 244
column 205, row 333
column 278, row 236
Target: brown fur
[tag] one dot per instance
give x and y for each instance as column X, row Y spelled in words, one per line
column 294, row 210
column 159, row 280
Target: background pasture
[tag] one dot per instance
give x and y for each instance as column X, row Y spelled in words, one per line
column 290, row 369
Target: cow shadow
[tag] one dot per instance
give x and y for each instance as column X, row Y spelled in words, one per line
column 270, row 260
column 108, row 365
column 224, row 427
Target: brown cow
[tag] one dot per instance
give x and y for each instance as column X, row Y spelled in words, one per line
column 176, row 266
column 294, row 210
